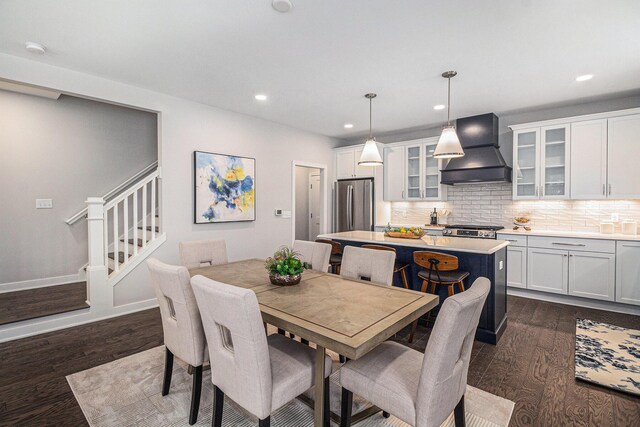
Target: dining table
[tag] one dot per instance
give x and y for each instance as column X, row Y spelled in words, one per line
column 350, row 317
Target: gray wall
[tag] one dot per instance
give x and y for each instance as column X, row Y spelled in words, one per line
column 67, row 150
column 530, row 115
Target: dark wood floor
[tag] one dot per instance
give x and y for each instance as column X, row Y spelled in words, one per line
column 39, row 302
column 532, row 365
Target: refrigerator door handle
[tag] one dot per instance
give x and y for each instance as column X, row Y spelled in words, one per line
column 349, row 217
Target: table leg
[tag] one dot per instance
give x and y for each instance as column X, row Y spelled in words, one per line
column 318, row 407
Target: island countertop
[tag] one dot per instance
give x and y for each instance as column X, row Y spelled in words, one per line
column 457, row 244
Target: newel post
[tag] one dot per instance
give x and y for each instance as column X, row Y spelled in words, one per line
column 100, row 294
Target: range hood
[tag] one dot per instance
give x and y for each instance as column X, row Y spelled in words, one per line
column 482, row 161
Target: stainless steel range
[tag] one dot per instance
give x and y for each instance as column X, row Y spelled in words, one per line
column 473, row 231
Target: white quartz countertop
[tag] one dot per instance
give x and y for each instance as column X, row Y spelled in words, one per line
column 458, row 244
column 423, row 226
column 573, row 234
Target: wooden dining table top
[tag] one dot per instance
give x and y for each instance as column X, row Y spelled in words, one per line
column 350, row 317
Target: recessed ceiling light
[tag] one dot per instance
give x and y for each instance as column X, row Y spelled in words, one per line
column 282, row 6
column 348, row 125
column 438, row 107
column 584, row 77
column 261, row 97
column 35, row 47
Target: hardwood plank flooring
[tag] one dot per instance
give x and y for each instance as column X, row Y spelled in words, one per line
column 531, row 365
column 39, row 302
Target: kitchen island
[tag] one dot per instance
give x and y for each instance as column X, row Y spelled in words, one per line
column 480, row 257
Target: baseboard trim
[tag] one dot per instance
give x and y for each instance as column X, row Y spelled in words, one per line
column 40, row 283
column 31, row 327
column 575, row 301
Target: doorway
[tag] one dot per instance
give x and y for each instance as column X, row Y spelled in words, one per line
column 309, row 201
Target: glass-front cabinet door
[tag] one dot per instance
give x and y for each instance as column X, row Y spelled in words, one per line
column 431, row 173
column 526, row 161
column 554, row 158
column 414, row 172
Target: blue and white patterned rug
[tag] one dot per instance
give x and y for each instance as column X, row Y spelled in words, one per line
column 608, row 355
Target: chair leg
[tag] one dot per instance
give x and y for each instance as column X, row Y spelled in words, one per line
column 338, row 267
column 414, row 325
column 265, row 423
column 327, row 402
column 425, row 286
column 218, row 404
column 458, row 413
column 168, row 369
column 403, row 276
column 461, row 286
column 386, row 414
column 450, row 290
column 345, row 408
column 196, row 389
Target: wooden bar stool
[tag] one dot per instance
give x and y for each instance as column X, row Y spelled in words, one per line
column 399, row 267
column 335, row 260
column 438, row 269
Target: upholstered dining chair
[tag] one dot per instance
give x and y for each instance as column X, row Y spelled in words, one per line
column 258, row 372
column 200, row 253
column 183, row 333
column 316, row 254
column 360, row 263
column 335, row 261
column 421, row 390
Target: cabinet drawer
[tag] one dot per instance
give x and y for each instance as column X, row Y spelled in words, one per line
column 514, row 240
column 570, row 244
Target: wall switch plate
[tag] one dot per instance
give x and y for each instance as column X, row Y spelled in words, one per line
column 500, row 265
column 286, row 214
column 44, row 204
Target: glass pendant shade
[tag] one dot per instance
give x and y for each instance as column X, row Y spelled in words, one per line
column 448, row 145
column 370, row 155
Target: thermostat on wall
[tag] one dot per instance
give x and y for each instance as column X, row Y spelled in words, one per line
column 283, row 214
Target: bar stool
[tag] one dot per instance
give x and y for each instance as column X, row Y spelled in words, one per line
column 335, row 261
column 399, row 267
column 438, row 269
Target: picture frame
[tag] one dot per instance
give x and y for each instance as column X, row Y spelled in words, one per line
column 224, row 188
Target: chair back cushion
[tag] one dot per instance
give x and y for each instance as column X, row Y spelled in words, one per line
column 181, row 322
column 200, row 253
column 375, row 265
column 446, row 359
column 240, row 363
column 316, row 254
column 336, row 248
column 426, row 259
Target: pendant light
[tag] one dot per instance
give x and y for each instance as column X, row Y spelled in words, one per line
column 448, row 145
column 370, row 155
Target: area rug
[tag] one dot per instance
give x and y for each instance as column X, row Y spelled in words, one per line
column 126, row 392
column 608, row 355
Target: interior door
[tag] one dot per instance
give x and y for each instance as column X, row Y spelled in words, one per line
column 314, row 206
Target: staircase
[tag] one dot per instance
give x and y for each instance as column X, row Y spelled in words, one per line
column 140, row 242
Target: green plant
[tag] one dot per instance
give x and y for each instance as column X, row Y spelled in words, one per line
column 285, row 262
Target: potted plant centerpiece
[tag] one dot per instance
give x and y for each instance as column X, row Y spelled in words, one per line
column 285, row 267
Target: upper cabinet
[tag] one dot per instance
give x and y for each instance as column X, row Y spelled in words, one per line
column 347, row 164
column 541, row 157
column 411, row 173
column 587, row 157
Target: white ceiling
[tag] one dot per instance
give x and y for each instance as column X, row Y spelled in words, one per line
column 316, row 62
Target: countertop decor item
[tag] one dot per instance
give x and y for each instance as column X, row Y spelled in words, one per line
column 522, row 220
column 405, row 233
column 224, row 188
column 285, row 267
column 607, row 227
column 629, row 227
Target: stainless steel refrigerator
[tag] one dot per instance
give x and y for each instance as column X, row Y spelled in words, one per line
column 354, row 205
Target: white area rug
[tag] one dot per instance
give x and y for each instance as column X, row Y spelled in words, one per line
column 127, row 392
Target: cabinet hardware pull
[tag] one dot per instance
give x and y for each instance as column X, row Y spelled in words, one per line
column 514, row 241
column 403, row 194
column 564, row 254
column 604, row 191
column 630, row 246
column 609, row 189
column 568, row 244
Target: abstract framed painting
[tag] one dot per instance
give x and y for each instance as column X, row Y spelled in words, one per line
column 225, row 188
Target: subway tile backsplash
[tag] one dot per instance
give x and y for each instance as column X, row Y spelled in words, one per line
column 492, row 204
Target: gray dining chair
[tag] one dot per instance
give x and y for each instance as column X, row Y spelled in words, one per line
column 421, row 390
column 201, row 253
column 183, row 333
column 314, row 253
column 360, row 263
column 258, row 372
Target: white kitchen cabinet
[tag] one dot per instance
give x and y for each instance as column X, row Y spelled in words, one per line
column 347, row 164
column 516, row 266
column 548, row 270
column 541, row 157
column 592, row 275
column 589, row 159
column 394, row 182
column 623, row 142
column 413, row 172
column 628, row 272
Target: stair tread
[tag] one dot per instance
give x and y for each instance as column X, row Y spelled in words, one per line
column 140, row 242
column 120, row 256
column 149, row 228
